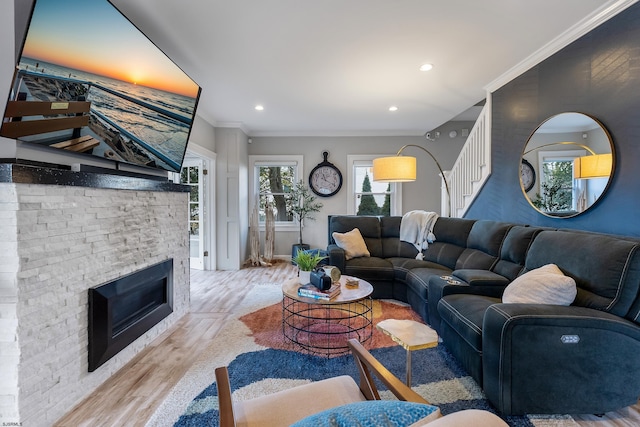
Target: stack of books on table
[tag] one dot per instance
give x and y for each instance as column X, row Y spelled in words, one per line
column 310, row 291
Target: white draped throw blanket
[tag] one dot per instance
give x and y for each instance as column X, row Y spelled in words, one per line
column 416, row 228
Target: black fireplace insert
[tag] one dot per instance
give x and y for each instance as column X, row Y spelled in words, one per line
column 124, row 309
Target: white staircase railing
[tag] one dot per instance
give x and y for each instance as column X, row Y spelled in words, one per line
column 473, row 166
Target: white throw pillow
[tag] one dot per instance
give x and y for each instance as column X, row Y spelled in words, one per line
column 352, row 243
column 544, row 285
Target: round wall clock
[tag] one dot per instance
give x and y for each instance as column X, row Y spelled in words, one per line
column 527, row 175
column 325, row 179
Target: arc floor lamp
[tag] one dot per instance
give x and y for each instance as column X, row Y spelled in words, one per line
column 403, row 169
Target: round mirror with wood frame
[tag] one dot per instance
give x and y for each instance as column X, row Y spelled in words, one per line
column 572, row 159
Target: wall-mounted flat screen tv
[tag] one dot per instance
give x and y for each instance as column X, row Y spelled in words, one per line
column 88, row 81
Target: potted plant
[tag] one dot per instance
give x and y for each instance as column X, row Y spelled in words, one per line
column 301, row 203
column 306, row 262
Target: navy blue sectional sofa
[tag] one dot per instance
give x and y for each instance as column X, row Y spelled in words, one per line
column 528, row 358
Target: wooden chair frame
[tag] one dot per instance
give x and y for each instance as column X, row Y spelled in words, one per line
column 368, row 367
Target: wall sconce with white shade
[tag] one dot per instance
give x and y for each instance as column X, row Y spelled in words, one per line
column 404, row 169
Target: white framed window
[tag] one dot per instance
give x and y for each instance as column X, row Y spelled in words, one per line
column 270, row 179
column 559, row 191
column 366, row 197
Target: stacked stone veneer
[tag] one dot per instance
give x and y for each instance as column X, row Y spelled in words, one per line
column 55, row 243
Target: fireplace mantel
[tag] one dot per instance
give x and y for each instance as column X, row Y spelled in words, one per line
column 20, row 173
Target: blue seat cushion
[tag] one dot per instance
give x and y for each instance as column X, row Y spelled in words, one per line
column 370, row 413
column 370, row 268
column 464, row 314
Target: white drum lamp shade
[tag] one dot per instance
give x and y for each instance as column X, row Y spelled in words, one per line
column 394, row 169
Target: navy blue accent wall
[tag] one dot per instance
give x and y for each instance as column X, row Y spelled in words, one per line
column 599, row 74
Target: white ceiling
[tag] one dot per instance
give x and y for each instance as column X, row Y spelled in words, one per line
column 334, row 67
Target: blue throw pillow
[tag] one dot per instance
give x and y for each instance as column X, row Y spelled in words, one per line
column 370, row 413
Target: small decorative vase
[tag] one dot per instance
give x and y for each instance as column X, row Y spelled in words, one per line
column 304, row 277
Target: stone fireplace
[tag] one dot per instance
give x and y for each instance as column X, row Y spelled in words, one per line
column 63, row 233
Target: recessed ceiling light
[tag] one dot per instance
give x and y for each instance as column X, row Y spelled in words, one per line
column 426, row 67
column 393, row 108
column 259, row 107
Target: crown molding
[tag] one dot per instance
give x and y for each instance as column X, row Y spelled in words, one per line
column 606, row 12
column 233, row 125
column 338, row 133
column 318, row 133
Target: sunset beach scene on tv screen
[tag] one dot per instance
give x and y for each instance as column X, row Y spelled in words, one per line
column 85, row 55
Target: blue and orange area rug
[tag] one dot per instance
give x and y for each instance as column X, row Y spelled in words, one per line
column 261, row 362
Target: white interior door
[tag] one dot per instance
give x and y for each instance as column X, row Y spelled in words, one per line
column 192, row 174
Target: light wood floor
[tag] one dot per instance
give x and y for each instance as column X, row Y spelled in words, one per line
column 131, row 396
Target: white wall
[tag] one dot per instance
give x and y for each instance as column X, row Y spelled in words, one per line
column 422, row 194
column 203, row 134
